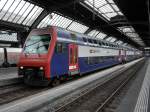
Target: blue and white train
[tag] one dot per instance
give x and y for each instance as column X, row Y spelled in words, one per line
column 52, row 53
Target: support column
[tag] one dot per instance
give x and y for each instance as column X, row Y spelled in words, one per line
column 21, row 36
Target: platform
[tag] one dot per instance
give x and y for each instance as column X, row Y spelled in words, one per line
column 53, row 94
column 9, row 76
column 137, row 98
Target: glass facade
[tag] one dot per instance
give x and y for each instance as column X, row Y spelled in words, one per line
column 130, row 32
column 54, row 19
column 19, row 11
column 5, row 36
column 106, row 8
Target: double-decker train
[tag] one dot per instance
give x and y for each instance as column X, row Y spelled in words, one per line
column 9, row 56
column 53, row 53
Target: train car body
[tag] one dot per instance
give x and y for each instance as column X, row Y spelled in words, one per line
column 2, row 56
column 52, row 53
column 9, row 56
column 13, row 55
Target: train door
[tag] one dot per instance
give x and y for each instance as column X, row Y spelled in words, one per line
column 120, row 56
column 73, row 59
column 125, row 55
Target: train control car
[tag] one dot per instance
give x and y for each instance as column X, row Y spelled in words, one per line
column 53, row 53
column 9, row 56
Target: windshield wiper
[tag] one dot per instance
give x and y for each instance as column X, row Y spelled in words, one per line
column 33, row 43
column 44, row 45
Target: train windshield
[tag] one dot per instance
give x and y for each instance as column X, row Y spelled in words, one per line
column 37, row 44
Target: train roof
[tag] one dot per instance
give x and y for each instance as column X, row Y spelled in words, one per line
column 71, row 36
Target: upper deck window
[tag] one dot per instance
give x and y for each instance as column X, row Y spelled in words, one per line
column 84, row 39
column 37, row 44
column 73, row 36
column 95, row 41
column 90, row 40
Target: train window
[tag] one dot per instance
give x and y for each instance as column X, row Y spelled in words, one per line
column 88, row 60
column 95, row 41
column 80, row 39
column 99, row 43
column 84, row 39
column 73, row 36
column 71, row 56
column 107, row 44
column 95, row 60
column 60, row 48
column 37, row 44
column 102, row 43
column 64, row 47
column 75, row 55
column 90, row 40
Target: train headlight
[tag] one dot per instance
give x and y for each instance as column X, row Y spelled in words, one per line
column 41, row 68
column 21, row 67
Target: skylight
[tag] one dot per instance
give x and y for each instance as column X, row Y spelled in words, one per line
column 101, row 35
column 130, row 32
column 5, row 45
column 97, row 34
column 77, row 27
column 106, row 8
column 108, row 39
column 19, row 11
column 111, row 39
column 54, row 19
column 8, row 37
column 125, row 44
column 93, row 33
column 119, row 42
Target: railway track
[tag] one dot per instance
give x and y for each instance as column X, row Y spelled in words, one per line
column 111, row 103
column 18, row 91
column 100, row 98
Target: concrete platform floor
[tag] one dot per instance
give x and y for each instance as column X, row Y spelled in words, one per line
column 51, row 95
column 9, row 76
column 137, row 98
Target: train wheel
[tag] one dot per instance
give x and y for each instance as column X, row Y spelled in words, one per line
column 55, row 82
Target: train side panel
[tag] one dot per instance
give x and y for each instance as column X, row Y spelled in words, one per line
column 1, row 56
column 60, row 60
column 92, row 58
column 130, row 55
column 13, row 55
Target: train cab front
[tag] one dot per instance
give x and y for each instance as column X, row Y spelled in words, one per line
column 34, row 63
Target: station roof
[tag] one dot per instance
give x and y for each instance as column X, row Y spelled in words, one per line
column 106, row 8
column 112, row 20
column 19, row 11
